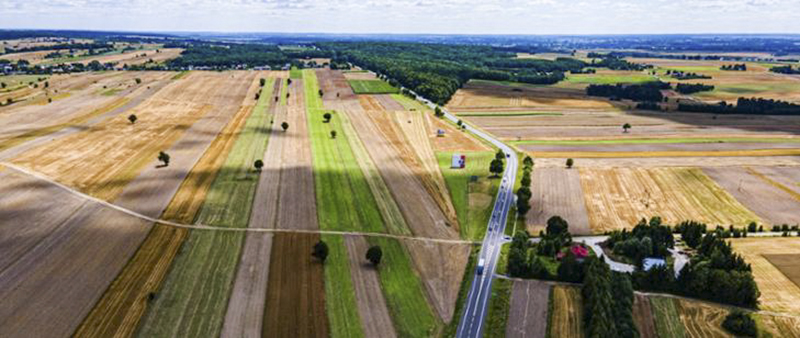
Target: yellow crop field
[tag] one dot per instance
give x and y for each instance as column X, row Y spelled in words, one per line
column 774, row 268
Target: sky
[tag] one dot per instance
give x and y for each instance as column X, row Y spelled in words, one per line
column 415, row 16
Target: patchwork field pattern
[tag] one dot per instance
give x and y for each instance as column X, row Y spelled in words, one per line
column 775, row 281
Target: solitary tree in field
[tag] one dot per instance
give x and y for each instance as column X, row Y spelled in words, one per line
column 333, row 133
column 320, row 251
column 262, row 81
column 164, row 158
column 3, row 85
column 570, row 162
column 258, row 164
column 288, row 82
column 258, row 96
column 47, row 84
column 9, row 101
column 132, row 118
column 320, row 93
column 459, row 123
column 285, row 126
column 625, row 127
column 287, row 95
column 276, row 99
column 138, row 80
column 438, row 112
column 327, row 117
column 496, row 167
column 374, row 255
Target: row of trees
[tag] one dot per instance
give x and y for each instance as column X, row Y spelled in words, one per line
column 685, row 88
column 735, row 67
column 785, row 70
column 524, row 192
column 681, row 75
column 753, row 106
column 607, row 301
column 649, row 91
column 320, row 251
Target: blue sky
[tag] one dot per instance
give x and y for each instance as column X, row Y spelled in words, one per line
column 416, row 16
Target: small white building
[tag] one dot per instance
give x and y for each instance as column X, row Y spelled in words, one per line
column 649, row 263
column 458, row 162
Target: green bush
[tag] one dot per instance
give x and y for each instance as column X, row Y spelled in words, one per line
column 740, row 324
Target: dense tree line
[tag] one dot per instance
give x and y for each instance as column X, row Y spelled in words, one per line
column 681, row 75
column 607, row 302
column 436, row 71
column 615, row 62
column 650, row 91
column 735, row 67
column 63, row 46
column 753, row 106
column 525, row 258
column 647, row 239
column 785, row 70
column 686, row 88
column 230, row 55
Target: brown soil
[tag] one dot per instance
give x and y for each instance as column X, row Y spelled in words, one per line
column 528, row 314
column 334, row 86
column 768, row 202
column 453, row 139
column 643, row 317
column 478, row 96
column 441, row 268
column 388, row 103
column 557, row 192
column 789, row 264
column 375, row 318
column 296, row 292
column 659, row 162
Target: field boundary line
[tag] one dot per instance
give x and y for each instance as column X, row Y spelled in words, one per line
column 199, row 226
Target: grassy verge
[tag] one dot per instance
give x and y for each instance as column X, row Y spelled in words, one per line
column 372, row 87
column 180, row 75
column 409, row 103
column 339, row 293
column 499, row 306
column 473, row 200
column 463, row 291
column 195, row 294
column 660, row 141
column 668, row 322
column 502, row 261
column 403, row 289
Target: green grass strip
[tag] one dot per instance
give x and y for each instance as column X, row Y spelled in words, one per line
column 295, row 73
column 340, row 299
column 499, row 306
column 659, row 141
column 409, row 103
column 668, row 321
column 403, row 290
column 194, row 297
column 473, row 220
column 372, row 87
column 344, row 199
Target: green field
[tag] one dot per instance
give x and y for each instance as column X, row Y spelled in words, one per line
column 473, row 219
column 372, row 87
column 403, row 290
column 195, row 293
column 340, row 297
column 659, row 141
column 668, row 321
column 14, row 82
column 499, row 306
column 344, row 199
column 610, row 78
column 295, row 73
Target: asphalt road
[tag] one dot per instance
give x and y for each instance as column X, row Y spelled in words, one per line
column 471, row 323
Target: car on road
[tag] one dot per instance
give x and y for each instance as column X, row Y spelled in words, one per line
column 481, row 263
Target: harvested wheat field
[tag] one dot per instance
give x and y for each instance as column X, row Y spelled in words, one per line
column 26, row 121
column 753, row 189
column 773, row 261
column 453, row 139
column 661, row 162
column 372, row 308
column 619, row 198
column 482, row 95
column 643, row 316
column 296, row 293
column 136, row 57
column 334, row 86
column 101, row 160
column 668, row 323
column 359, row 75
column 780, row 326
column 786, row 178
column 701, row 319
column 123, row 304
column 528, row 314
column 557, row 192
column 567, row 317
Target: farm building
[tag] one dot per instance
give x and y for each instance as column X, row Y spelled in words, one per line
column 649, row 263
column 458, row 161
